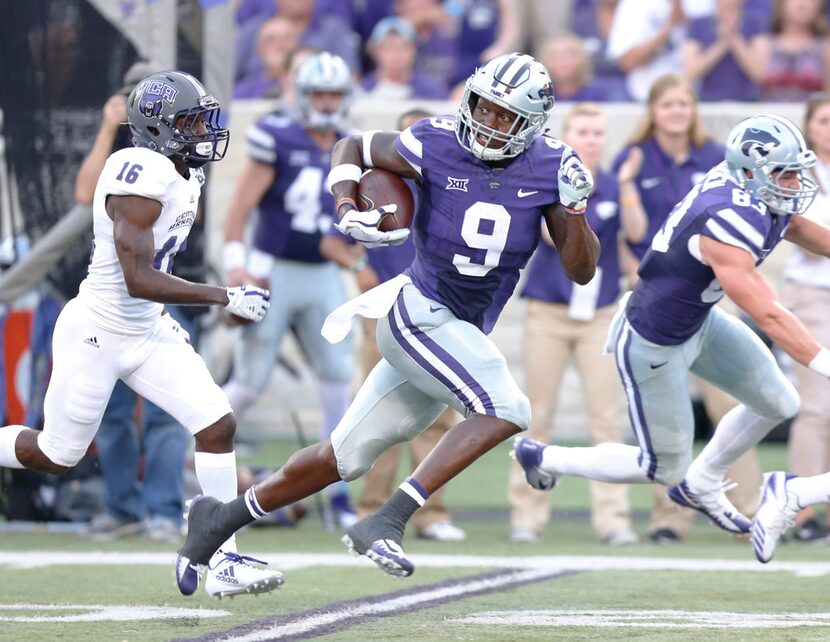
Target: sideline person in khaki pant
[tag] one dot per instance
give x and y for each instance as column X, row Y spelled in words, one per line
column 568, row 322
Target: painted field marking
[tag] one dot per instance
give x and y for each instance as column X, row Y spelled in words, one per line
column 26, row 560
column 342, row 615
column 103, row 613
column 646, row 619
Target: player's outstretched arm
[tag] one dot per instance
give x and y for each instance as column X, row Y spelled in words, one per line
column 736, row 273
column 810, row 235
column 133, row 218
column 575, row 241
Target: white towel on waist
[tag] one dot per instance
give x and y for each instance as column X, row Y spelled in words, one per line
column 372, row 304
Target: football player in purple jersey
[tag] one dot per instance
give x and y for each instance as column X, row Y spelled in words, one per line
column 488, row 177
column 710, row 245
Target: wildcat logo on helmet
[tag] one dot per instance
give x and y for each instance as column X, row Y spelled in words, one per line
column 158, row 88
column 758, row 140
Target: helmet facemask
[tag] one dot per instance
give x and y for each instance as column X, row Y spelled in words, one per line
column 196, row 147
column 323, row 72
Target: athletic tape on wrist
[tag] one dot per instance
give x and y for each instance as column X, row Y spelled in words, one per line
column 821, row 363
column 345, row 172
column 233, row 255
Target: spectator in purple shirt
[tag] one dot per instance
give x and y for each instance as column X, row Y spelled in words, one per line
column 719, row 52
column 569, row 64
column 568, row 322
column 488, row 28
column 392, row 46
column 319, row 29
column 277, row 38
column 437, row 37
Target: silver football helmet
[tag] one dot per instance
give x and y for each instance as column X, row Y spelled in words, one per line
column 323, row 72
column 766, row 146
column 516, row 82
column 171, row 113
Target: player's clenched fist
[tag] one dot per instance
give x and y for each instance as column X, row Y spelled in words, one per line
column 575, row 183
column 363, row 227
column 248, row 302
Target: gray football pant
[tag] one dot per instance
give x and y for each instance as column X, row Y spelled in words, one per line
column 726, row 353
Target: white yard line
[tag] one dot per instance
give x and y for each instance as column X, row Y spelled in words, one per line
column 25, row 560
column 101, row 613
column 646, row 619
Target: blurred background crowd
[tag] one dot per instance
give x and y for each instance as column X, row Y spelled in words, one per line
column 646, row 89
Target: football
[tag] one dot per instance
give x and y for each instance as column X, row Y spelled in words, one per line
column 379, row 187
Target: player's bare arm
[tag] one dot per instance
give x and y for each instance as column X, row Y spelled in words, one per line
column 575, row 241
column 812, row 236
column 736, row 273
column 253, row 182
column 133, row 218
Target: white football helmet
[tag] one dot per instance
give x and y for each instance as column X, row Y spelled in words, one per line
column 323, row 72
column 767, row 146
column 517, row 82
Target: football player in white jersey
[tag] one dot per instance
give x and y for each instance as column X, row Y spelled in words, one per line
column 144, row 205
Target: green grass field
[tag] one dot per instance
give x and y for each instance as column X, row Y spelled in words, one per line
column 568, row 587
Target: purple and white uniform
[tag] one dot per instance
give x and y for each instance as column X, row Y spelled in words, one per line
column 293, row 214
column 671, row 327
column 476, row 227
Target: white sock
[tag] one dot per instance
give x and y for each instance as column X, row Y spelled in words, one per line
column 8, row 439
column 335, row 397
column 217, row 477
column 607, row 462
column 738, row 431
column 810, row 490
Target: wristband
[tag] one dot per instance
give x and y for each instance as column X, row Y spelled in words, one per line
column 344, row 199
column 631, row 200
column 233, row 255
column 358, row 265
column 367, row 148
column 572, row 211
column 821, row 363
column 344, row 172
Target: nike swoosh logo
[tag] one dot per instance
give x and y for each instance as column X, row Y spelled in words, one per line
column 654, row 366
column 521, row 193
column 431, row 309
column 648, row 183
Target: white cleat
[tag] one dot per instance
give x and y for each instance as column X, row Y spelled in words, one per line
column 776, row 513
column 230, row 574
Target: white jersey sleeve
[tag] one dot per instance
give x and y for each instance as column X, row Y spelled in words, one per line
column 141, row 172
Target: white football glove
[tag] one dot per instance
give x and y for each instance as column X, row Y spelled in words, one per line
column 363, row 227
column 575, row 182
column 248, row 302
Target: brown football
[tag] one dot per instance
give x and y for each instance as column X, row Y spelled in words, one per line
column 379, row 187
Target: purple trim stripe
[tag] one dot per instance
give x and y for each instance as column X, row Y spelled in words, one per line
column 441, row 355
column 420, row 489
column 639, row 423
